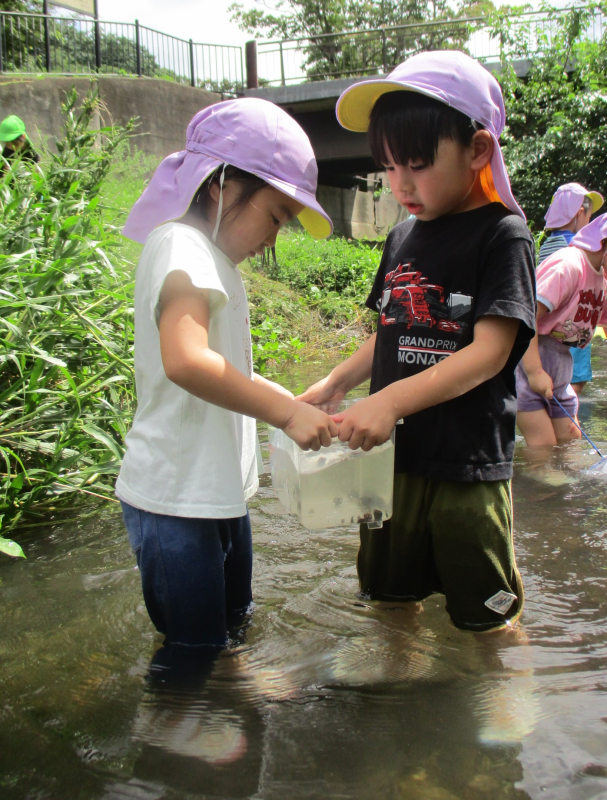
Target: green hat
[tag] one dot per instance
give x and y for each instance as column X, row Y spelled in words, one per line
column 11, row 128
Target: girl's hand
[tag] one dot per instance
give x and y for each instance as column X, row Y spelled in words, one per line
column 367, row 423
column 309, row 427
column 541, row 382
column 323, row 392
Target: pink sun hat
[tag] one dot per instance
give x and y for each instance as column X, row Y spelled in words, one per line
column 450, row 77
column 592, row 236
column 567, row 201
column 251, row 134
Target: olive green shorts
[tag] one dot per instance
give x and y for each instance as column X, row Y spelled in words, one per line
column 451, row 538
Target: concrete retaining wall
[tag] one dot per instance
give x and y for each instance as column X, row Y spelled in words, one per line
column 164, row 108
column 360, row 215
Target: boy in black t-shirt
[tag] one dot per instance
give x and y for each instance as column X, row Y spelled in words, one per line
column 455, row 298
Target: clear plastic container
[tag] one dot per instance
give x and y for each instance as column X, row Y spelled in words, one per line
column 334, row 486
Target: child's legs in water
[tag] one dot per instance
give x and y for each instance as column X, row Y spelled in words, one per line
column 541, row 430
column 542, row 422
column 195, row 573
column 451, row 538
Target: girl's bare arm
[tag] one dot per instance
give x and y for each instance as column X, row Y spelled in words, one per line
column 191, row 364
column 539, row 381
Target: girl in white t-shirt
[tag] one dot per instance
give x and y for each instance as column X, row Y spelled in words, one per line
column 190, row 461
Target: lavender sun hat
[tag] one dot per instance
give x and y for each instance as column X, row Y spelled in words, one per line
column 450, row 77
column 592, row 236
column 567, row 201
column 251, row 134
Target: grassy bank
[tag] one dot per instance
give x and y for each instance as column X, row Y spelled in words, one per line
column 66, row 327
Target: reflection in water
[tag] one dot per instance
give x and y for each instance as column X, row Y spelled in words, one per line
column 197, row 729
column 328, row 695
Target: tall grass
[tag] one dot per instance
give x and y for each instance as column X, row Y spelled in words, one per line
column 66, row 326
column 335, row 275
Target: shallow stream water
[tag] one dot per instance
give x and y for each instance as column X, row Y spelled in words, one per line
column 328, row 696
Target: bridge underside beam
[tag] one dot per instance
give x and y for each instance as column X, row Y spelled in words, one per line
column 341, row 154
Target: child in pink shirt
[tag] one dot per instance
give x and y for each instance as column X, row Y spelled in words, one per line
column 571, row 303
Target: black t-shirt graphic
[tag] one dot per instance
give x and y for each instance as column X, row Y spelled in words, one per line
column 435, row 280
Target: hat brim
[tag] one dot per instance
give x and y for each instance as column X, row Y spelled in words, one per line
column 597, row 201
column 355, row 104
column 12, row 138
column 313, row 218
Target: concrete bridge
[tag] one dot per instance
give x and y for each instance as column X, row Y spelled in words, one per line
column 348, row 175
column 342, row 155
column 164, row 110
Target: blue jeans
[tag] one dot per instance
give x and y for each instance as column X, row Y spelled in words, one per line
column 195, row 573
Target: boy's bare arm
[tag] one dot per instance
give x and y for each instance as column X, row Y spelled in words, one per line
column 539, row 381
column 370, row 421
column 350, row 373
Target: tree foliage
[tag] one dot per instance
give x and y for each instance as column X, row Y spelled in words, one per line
column 22, row 6
column 556, row 113
column 338, row 55
column 290, row 19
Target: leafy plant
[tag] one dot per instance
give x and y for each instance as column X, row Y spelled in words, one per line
column 331, row 52
column 556, row 114
column 270, row 347
column 66, row 325
column 335, row 275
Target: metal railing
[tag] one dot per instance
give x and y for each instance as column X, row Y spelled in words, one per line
column 35, row 43
column 349, row 54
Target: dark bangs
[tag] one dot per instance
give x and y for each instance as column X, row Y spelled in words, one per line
column 249, row 185
column 407, row 127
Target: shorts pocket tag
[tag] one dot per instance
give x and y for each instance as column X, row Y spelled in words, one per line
column 501, row 602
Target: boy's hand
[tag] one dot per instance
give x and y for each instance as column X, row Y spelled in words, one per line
column 541, row 382
column 367, row 423
column 323, row 392
column 309, row 427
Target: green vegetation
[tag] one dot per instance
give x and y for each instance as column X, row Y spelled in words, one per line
column 333, row 275
column 339, row 55
column 66, row 376
column 556, row 114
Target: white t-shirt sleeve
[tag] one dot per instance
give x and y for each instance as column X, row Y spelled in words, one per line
column 184, row 249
